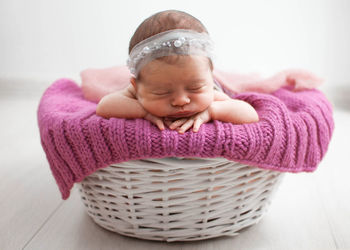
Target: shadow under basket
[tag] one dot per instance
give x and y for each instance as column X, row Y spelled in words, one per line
column 178, row 199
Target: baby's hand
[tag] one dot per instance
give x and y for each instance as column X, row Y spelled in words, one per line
column 183, row 124
column 155, row 120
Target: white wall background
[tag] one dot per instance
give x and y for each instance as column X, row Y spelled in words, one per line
column 46, row 40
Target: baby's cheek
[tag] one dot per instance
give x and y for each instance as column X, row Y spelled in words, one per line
column 156, row 108
column 205, row 99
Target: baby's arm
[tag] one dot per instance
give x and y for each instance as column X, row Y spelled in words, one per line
column 231, row 110
column 120, row 104
column 123, row 104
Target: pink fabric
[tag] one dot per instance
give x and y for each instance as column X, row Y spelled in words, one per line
column 295, row 78
column 96, row 83
column 292, row 135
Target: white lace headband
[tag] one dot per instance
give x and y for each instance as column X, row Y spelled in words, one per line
column 172, row 42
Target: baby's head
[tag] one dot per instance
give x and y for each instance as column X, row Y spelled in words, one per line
column 170, row 59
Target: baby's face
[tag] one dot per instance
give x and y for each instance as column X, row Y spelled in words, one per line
column 174, row 90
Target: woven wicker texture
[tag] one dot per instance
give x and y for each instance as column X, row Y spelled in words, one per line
column 176, row 199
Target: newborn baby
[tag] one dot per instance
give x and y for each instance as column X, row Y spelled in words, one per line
column 170, row 57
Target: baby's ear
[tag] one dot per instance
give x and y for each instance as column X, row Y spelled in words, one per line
column 133, row 82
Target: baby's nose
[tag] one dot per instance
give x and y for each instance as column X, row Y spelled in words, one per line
column 180, row 100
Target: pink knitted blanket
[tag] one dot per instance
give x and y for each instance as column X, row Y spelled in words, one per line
column 292, row 135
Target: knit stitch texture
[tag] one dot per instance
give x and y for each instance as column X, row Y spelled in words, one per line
column 292, row 135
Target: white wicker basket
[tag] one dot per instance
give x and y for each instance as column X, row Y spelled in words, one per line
column 175, row 199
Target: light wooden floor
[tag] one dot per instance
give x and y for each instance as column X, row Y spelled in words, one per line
column 309, row 211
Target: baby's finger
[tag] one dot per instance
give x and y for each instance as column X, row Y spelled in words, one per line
column 186, row 126
column 197, row 124
column 167, row 122
column 160, row 124
column 178, row 123
column 156, row 121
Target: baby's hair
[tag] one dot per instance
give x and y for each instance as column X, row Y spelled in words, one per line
column 164, row 21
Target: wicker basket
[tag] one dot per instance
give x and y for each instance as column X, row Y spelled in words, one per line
column 175, row 199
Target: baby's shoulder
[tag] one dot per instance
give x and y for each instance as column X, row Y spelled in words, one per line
column 220, row 96
column 129, row 91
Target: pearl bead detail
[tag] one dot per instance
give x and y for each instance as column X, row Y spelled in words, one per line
column 177, row 43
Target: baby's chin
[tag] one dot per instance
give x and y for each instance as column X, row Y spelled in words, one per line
column 181, row 115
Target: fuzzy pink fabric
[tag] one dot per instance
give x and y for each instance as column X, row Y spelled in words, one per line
column 292, row 135
column 96, row 83
column 297, row 79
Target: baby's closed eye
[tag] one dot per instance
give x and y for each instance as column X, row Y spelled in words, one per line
column 196, row 88
column 161, row 92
